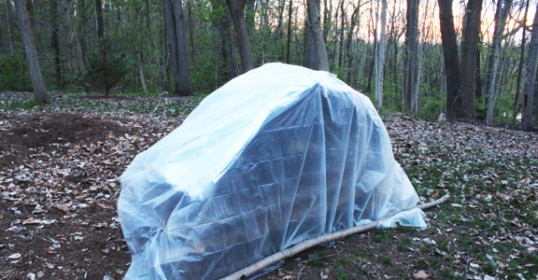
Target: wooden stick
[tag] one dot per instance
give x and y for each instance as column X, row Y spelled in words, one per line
column 263, row 263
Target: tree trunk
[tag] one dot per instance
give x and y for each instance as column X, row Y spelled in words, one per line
column 191, row 21
column 315, row 50
column 182, row 64
column 341, row 33
column 75, row 66
column 451, row 60
column 415, row 97
column 250, row 15
column 288, row 40
column 103, row 51
column 40, row 92
column 528, row 120
column 237, row 11
column 8, row 27
column 55, row 43
column 380, row 57
column 327, row 18
column 223, row 45
column 280, row 27
column 503, row 7
column 100, row 27
column 349, row 41
column 175, row 33
column 517, row 99
column 411, row 54
column 470, row 40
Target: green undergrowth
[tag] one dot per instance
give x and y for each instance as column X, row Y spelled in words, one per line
column 144, row 103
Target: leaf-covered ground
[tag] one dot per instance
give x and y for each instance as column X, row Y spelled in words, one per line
column 58, row 191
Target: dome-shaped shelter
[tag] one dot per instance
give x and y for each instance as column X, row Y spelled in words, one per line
column 276, row 156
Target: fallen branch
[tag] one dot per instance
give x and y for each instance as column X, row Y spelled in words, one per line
column 284, row 254
column 434, row 203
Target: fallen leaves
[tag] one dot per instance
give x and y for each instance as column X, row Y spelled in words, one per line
column 421, row 274
column 58, row 199
column 58, row 194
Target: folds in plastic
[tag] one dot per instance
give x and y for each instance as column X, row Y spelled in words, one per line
column 276, row 156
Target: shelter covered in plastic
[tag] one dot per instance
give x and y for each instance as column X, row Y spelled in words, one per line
column 277, row 156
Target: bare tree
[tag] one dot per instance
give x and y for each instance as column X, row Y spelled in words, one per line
column 237, row 11
column 460, row 77
column 223, row 45
column 175, row 33
column 55, row 43
column 469, row 56
column 100, row 23
column 315, row 49
column 411, row 55
column 501, row 14
column 8, row 27
column 349, row 39
column 75, row 65
column 517, row 99
column 380, row 57
column 40, row 92
column 288, row 38
column 529, row 120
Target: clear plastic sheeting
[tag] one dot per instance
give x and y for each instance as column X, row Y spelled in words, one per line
column 277, row 156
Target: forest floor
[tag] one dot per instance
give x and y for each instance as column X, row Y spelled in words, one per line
column 59, row 168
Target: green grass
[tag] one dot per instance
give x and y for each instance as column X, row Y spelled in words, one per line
column 360, row 258
column 404, row 244
column 345, row 261
column 380, row 236
column 317, row 260
column 385, row 260
column 19, row 104
column 340, row 273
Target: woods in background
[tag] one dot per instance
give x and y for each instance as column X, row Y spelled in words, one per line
column 472, row 61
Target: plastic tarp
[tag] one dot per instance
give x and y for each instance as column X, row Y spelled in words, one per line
column 276, row 156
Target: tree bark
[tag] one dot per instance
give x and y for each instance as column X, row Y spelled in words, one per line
column 55, row 44
column 415, row 97
column 288, row 39
column 411, row 54
column 103, row 50
column 349, row 40
column 226, row 67
column 470, row 40
column 451, row 61
column 315, row 49
column 8, row 27
column 40, row 92
column 503, row 7
column 380, row 57
column 341, row 34
column 237, row 11
column 100, row 26
column 75, row 66
column 517, row 99
column 528, row 122
column 175, row 33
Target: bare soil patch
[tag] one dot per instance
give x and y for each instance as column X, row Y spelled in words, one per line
column 58, row 187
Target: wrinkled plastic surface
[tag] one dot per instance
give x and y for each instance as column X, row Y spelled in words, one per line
column 276, row 156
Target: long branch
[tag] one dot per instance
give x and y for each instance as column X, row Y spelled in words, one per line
column 263, row 263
